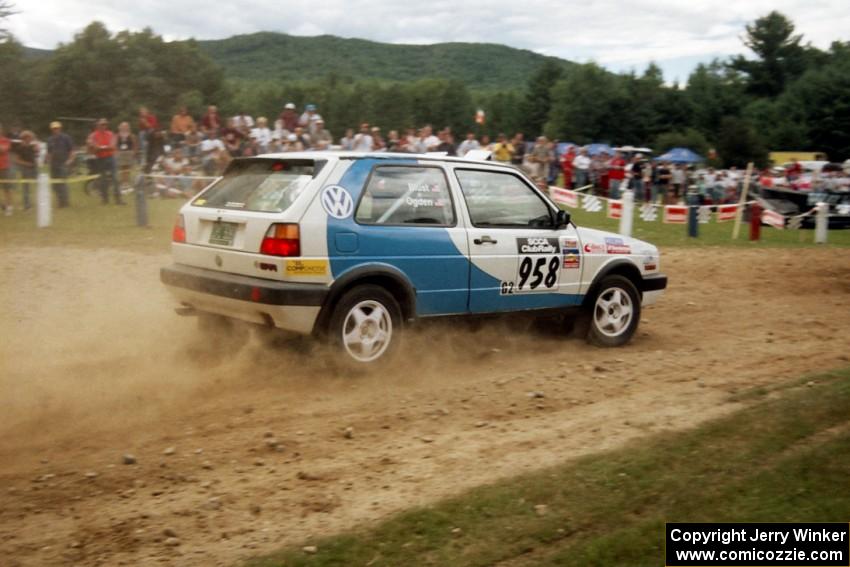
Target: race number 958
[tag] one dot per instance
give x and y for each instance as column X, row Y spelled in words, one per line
column 536, row 273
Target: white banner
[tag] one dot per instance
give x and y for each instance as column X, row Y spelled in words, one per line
column 773, row 219
column 564, row 196
column 676, row 214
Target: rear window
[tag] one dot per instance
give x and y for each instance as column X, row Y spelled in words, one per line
column 268, row 186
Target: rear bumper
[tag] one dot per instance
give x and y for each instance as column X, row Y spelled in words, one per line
column 286, row 305
column 243, row 288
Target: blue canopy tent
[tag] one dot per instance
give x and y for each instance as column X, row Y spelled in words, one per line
column 594, row 149
column 680, row 155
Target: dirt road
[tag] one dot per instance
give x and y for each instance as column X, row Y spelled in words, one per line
column 235, row 458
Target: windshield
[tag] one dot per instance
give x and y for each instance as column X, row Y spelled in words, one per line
column 262, row 185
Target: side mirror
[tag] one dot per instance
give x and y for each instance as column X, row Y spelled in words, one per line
column 562, row 219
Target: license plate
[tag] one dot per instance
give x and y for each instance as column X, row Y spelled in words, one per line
column 222, row 233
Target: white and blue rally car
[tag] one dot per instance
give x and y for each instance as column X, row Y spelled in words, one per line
column 352, row 247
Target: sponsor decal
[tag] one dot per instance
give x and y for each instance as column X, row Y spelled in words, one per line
column 337, row 202
column 675, row 214
column 265, row 266
column 616, row 246
column 538, row 266
column 234, row 205
column 593, row 248
column 199, row 202
column 306, row 267
column 615, row 209
column 538, row 245
column 571, row 261
column 569, row 243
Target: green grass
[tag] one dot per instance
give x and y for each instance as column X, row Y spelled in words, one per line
column 710, row 234
column 783, row 459
column 89, row 224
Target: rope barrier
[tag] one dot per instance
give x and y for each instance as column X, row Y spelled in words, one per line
column 56, row 181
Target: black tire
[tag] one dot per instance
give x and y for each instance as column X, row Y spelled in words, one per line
column 365, row 326
column 613, row 313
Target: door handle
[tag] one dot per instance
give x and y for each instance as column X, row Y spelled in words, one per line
column 485, row 240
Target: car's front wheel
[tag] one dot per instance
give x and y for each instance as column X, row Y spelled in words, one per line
column 614, row 312
column 366, row 325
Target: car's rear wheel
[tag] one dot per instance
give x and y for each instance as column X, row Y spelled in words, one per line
column 614, row 312
column 366, row 325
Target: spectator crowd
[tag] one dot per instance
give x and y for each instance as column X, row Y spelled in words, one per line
column 181, row 156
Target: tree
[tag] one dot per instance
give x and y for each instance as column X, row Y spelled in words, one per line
column 99, row 74
column 587, row 106
column 19, row 103
column 713, row 91
column 737, row 143
column 781, row 58
column 6, row 10
column 538, row 98
column 819, row 104
column 689, row 138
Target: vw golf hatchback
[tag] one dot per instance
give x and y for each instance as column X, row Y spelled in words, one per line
column 353, row 247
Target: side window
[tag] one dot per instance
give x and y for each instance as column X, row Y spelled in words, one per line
column 502, row 199
column 401, row 195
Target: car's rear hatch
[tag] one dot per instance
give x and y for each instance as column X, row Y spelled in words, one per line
column 224, row 226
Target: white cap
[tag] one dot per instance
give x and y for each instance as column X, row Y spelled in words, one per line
column 289, row 106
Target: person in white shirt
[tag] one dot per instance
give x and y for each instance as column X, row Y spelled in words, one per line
column 262, row 134
column 309, row 119
column 363, row 141
column 243, row 121
column 211, row 150
column 429, row 141
column 581, row 168
column 470, row 143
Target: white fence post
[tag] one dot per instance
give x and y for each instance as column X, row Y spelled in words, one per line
column 821, row 223
column 42, row 201
column 627, row 213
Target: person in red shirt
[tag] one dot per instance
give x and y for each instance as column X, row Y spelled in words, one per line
column 148, row 124
column 793, row 171
column 102, row 143
column 5, row 172
column 616, row 174
column 567, row 166
column 211, row 122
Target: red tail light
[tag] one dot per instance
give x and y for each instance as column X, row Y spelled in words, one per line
column 282, row 240
column 178, row 233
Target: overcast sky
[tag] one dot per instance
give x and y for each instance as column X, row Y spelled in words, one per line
column 676, row 34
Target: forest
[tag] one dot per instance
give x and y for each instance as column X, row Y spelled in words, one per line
column 784, row 94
